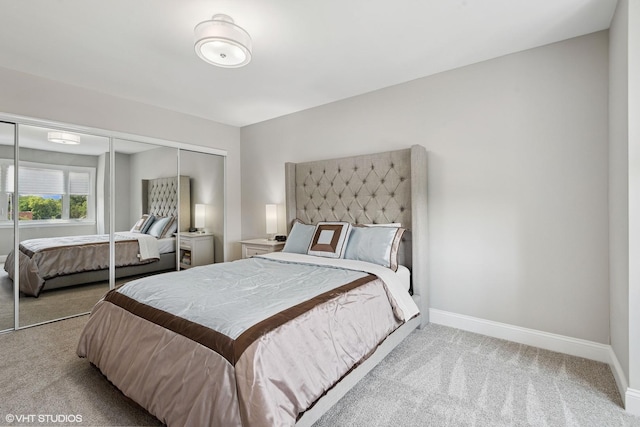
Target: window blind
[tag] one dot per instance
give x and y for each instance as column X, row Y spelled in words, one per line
column 37, row 181
column 8, row 182
column 79, row 183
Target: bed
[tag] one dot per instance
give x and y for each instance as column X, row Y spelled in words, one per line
column 278, row 338
column 57, row 262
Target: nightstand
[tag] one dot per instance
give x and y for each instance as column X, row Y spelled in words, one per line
column 195, row 249
column 259, row 247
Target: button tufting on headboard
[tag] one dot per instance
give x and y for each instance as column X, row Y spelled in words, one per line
column 160, row 198
column 365, row 189
column 163, row 196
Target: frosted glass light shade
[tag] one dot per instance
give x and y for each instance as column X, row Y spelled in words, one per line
column 63, row 138
column 271, row 212
column 221, row 42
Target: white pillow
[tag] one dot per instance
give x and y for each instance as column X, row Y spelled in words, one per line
column 329, row 239
column 377, row 245
column 161, row 227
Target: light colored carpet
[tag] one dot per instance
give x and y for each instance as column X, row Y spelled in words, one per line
column 441, row 376
column 438, row 376
column 50, row 305
column 41, row 374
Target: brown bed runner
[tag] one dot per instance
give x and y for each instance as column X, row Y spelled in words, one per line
column 227, row 347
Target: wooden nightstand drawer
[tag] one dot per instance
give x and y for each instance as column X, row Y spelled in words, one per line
column 259, row 247
column 250, row 251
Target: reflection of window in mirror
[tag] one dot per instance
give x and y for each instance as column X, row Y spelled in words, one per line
column 53, row 193
column 60, row 199
column 6, row 189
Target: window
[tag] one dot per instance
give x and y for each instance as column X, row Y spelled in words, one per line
column 51, row 193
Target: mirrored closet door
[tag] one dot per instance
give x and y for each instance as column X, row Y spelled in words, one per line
column 7, row 153
column 62, row 202
column 148, row 209
column 206, row 172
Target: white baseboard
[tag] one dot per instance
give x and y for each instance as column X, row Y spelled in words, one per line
column 618, row 374
column 3, row 258
column 548, row 341
column 632, row 401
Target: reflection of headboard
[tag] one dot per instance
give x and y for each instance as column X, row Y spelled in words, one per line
column 377, row 188
column 160, row 197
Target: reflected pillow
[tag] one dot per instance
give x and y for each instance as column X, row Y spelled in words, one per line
column 299, row 238
column 143, row 224
column 377, row 245
column 329, row 239
column 161, row 226
column 172, row 229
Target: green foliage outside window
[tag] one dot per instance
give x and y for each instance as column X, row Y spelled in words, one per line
column 77, row 207
column 37, row 207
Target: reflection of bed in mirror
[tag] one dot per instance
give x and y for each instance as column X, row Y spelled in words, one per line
column 57, row 262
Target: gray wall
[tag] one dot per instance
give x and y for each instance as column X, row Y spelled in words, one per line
column 122, row 193
column 518, row 175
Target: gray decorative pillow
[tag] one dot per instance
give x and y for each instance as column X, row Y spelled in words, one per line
column 143, row 224
column 329, row 239
column 377, row 245
column 299, row 238
column 172, row 228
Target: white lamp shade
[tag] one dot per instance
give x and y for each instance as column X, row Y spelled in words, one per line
column 272, row 219
column 200, row 216
column 221, row 42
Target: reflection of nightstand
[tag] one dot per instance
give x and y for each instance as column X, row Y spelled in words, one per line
column 259, row 247
column 195, row 249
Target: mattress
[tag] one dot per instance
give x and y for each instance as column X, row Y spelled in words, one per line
column 166, row 245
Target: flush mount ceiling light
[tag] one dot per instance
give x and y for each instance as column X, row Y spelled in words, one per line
column 221, row 42
column 63, row 138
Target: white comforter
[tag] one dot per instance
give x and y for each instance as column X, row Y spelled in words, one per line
column 393, row 280
column 258, row 290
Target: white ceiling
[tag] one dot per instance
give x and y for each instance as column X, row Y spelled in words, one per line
column 305, row 52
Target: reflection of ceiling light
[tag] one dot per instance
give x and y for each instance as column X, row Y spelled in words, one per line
column 63, row 138
column 221, row 42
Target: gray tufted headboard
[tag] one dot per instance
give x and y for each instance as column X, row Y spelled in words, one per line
column 160, row 197
column 377, row 188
